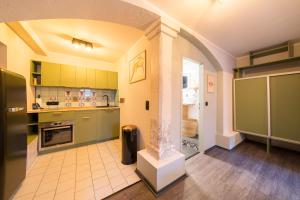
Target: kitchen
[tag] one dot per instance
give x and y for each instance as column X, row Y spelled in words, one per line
column 73, row 104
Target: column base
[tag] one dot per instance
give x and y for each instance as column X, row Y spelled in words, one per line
column 160, row 173
column 229, row 141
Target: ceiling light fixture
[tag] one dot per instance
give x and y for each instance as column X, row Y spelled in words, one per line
column 77, row 43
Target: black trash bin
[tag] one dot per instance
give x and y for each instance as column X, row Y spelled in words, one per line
column 129, row 144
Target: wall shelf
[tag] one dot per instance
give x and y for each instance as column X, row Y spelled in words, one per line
column 238, row 71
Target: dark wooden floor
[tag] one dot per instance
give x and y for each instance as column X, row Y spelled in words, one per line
column 246, row 172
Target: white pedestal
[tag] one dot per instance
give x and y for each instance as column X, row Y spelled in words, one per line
column 160, row 173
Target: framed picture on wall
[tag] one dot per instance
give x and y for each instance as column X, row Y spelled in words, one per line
column 137, row 68
column 211, row 84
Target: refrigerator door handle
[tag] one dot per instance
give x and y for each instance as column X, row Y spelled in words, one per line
column 15, row 109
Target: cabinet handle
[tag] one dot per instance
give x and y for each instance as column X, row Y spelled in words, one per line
column 86, row 117
column 57, row 113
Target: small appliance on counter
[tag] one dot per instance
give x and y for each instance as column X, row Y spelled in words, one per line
column 52, row 104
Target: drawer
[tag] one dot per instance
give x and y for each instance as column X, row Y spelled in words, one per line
column 56, row 116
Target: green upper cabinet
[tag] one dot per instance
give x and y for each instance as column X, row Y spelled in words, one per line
column 81, row 77
column 68, row 76
column 50, row 73
column 62, row 75
column 112, row 78
column 101, row 79
column 91, row 78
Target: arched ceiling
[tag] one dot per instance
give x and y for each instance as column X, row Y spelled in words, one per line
column 115, row 11
column 110, row 40
column 238, row 26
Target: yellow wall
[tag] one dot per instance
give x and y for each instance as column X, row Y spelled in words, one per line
column 18, row 57
column 133, row 110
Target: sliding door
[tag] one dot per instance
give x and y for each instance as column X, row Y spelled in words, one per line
column 251, row 106
column 285, row 106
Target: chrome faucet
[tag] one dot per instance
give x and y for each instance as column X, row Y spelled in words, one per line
column 107, row 100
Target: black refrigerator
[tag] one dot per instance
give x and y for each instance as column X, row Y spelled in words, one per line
column 13, row 132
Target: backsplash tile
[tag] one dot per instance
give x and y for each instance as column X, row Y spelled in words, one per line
column 70, row 97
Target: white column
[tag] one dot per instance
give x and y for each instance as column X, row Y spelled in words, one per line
column 161, row 43
column 160, row 163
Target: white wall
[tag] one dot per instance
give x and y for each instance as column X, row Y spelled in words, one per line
column 184, row 49
column 133, row 110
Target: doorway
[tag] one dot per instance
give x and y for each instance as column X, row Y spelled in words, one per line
column 191, row 107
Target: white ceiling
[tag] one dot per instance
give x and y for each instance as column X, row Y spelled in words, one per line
column 110, row 40
column 238, row 26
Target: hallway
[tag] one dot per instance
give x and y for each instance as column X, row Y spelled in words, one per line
column 247, row 172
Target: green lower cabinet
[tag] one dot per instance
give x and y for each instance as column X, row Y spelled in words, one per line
column 108, row 124
column 86, row 127
column 56, row 116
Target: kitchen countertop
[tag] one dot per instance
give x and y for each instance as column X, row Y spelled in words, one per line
column 71, row 109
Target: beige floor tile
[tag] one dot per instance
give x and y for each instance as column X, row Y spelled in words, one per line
column 67, row 177
column 45, row 196
column 46, row 188
column 52, row 170
column 96, row 167
column 66, row 195
column 120, row 187
column 127, row 171
column 98, row 173
column 131, row 179
column 83, row 175
column 66, row 185
column 37, row 171
column 85, row 167
column 25, row 197
column 83, row 162
column 116, row 181
column 101, row 182
column 85, row 183
column 50, row 177
column 111, row 165
column 85, row 194
column 84, row 170
column 27, row 189
column 33, row 179
column 113, row 172
column 103, row 192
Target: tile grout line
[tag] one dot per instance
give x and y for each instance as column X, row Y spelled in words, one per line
column 76, row 157
column 59, row 175
column 120, row 169
column 105, row 167
column 116, row 161
column 91, row 172
column 42, row 177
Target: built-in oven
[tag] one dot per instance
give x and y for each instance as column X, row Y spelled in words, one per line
column 55, row 134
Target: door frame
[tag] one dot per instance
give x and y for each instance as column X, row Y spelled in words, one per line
column 201, row 99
